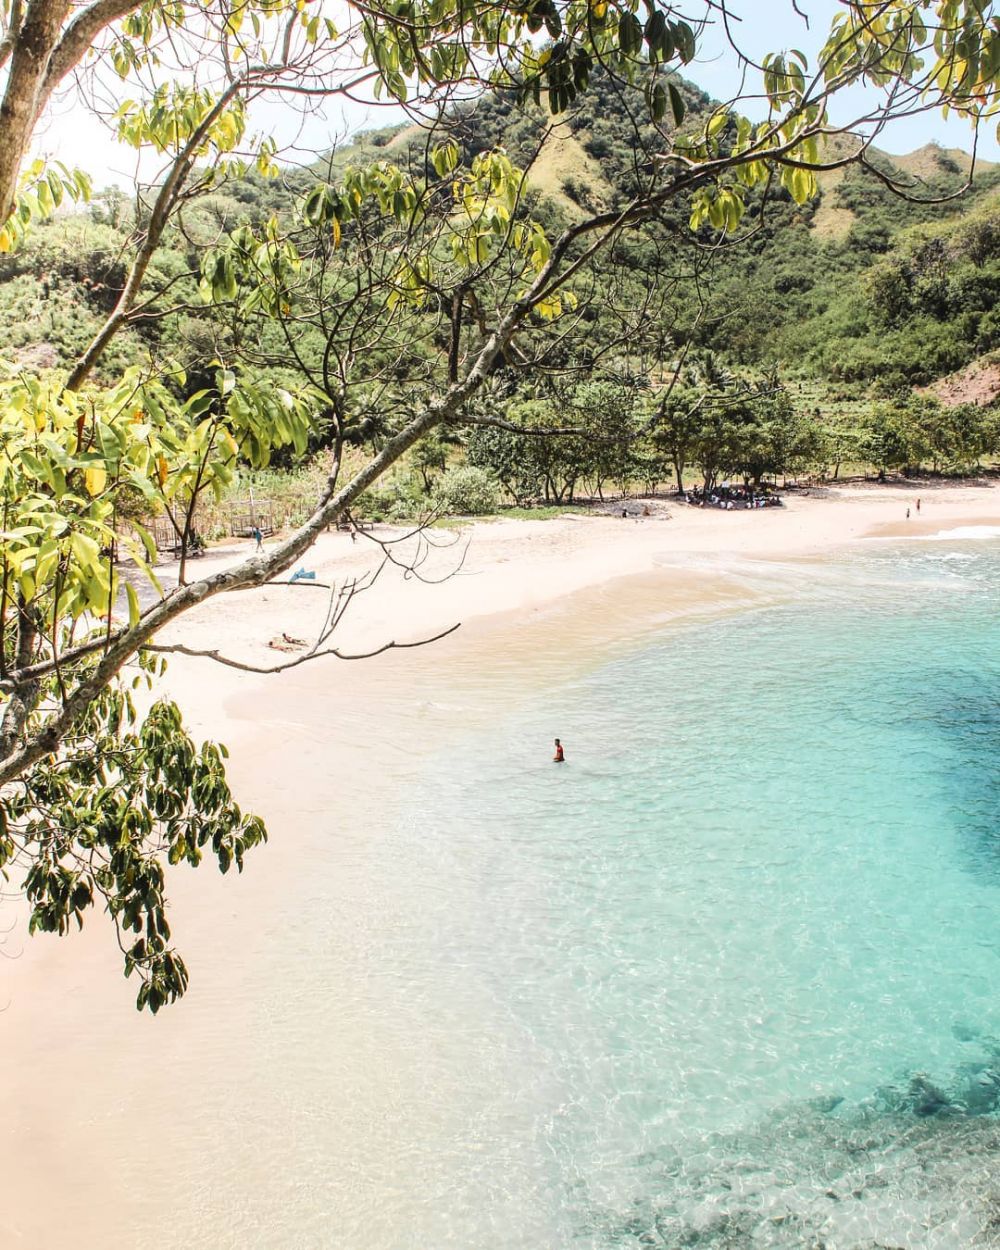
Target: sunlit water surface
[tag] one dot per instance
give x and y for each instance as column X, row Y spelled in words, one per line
column 735, row 967
column 730, row 977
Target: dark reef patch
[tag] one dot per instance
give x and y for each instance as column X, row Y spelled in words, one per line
column 914, row 1167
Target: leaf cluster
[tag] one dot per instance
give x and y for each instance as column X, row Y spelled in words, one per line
column 99, row 823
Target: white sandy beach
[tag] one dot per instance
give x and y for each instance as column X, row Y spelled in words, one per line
column 524, row 593
column 322, row 752
column 491, row 567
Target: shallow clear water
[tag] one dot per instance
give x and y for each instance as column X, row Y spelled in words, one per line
column 727, row 979
column 730, row 976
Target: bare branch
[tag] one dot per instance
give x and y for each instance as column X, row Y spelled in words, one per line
column 178, row 648
column 78, row 38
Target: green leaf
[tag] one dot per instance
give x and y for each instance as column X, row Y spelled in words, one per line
column 629, row 34
column 85, row 549
column 444, row 158
column 134, row 610
column 676, row 104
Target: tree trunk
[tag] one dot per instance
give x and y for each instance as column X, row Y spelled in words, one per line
column 24, row 96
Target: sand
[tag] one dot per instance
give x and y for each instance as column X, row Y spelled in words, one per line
column 553, row 595
column 325, row 753
column 483, row 568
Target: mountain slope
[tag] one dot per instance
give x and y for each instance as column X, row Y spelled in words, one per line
column 857, row 288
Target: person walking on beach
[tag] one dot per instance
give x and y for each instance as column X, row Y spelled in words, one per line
column 907, row 513
column 918, row 507
column 559, row 757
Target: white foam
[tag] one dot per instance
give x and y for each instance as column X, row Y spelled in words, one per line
column 965, row 533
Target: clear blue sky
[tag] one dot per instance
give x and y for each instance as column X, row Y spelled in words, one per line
column 761, row 26
column 773, row 26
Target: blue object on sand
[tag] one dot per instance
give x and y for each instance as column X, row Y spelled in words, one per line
column 301, row 575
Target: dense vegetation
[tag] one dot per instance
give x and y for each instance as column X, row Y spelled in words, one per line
column 844, row 303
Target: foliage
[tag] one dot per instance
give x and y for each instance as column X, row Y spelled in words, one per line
column 430, row 458
column 675, row 420
column 128, row 794
column 466, row 491
column 906, row 433
column 602, row 444
column 774, row 438
column 291, row 492
column 529, row 464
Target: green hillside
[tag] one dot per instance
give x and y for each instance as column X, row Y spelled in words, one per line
column 858, row 286
column 852, row 299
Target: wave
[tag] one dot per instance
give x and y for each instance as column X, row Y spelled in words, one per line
column 964, row 533
column 961, row 533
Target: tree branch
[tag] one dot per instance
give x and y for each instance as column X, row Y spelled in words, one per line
column 23, row 97
column 257, row 570
column 162, row 207
column 178, row 648
column 78, row 38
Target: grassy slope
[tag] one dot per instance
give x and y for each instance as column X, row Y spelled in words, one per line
column 798, row 285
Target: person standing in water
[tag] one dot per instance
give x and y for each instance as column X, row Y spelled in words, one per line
column 559, row 757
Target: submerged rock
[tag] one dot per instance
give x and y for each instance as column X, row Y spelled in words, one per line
column 926, row 1098
column 913, row 1167
column 826, row 1103
column 981, row 1094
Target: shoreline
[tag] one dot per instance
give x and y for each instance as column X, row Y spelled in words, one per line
column 535, row 600
column 327, row 754
column 501, row 578
column 486, row 567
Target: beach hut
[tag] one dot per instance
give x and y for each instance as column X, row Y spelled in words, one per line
column 246, row 515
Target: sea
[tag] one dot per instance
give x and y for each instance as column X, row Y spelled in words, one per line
column 727, row 978
column 732, row 972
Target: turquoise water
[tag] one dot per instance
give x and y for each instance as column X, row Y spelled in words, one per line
column 728, row 979
column 730, row 976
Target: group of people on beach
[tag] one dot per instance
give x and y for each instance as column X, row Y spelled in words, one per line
column 729, row 498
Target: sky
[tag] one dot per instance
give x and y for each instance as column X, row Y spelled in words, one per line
column 762, row 26
column 72, row 135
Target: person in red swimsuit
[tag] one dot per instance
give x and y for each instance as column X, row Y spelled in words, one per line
column 559, row 758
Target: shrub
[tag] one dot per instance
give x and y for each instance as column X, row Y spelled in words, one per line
column 466, row 491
